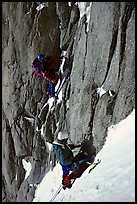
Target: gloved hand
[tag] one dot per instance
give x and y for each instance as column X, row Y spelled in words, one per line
column 66, row 182
column 63, row 180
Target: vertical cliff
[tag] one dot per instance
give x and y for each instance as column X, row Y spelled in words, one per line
column 100, row 53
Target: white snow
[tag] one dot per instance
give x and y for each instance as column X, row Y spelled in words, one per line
column 27, row 167
column 110, row 93
column 84, row 11
column 63, row 61
column 40, row 6
column 113, row 180
column 49, row 145
column 82, row 8
column 88, row 15
column 101, row 91
column 31, row 120
column 67, row 104
column 69, row 3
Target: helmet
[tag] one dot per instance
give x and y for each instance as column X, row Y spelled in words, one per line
column 41, row 57
column 63, row 135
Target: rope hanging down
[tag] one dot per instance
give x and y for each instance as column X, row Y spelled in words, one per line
column 57, row 192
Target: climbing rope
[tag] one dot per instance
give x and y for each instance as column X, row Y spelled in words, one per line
column 57, row 192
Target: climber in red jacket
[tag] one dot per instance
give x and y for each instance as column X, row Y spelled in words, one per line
column 48, row 67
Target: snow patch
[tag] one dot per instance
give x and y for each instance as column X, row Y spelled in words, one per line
column 27, row 167
column 101, row 91
column 41, row 6
column 84, row 11
column 69, row 3
column 31, row 120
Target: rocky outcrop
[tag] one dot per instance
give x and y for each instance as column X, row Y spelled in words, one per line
column 101, row 59
column 100, row 53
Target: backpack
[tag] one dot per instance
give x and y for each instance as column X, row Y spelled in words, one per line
column 87, row 147
column 63, row 153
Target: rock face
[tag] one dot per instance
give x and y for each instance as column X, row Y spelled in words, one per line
column 100, row 52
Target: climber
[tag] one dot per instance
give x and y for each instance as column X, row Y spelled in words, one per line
column 48, row 67
column 73, row 166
